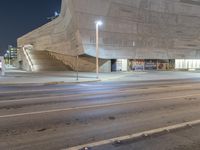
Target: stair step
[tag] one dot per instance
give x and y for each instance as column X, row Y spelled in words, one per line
column 42, row 61
column 38, row 62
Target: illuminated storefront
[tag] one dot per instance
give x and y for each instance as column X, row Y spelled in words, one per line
column 151, row 64
column 187, row 64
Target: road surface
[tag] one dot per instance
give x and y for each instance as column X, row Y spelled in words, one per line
column 55, row 117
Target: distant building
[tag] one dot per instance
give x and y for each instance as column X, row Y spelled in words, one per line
column 136, row 35
column 11, row 55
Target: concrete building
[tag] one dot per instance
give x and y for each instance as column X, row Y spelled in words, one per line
column 139, row 34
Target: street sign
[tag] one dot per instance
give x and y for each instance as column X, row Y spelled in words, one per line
column 2, row 66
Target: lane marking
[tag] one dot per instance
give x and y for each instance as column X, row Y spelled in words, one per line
column 126, row 90
column 95, row 106
column 137, row 135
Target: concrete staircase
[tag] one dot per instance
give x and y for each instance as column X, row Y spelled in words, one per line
column 43, row 61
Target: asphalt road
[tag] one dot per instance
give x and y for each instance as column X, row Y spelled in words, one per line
column 54, row 117
column 184, row 139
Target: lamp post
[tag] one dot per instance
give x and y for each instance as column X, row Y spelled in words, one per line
column 8, row 52
column 77, row 67
column 98, row 23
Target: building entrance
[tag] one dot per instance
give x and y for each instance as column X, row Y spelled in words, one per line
column 119, row 65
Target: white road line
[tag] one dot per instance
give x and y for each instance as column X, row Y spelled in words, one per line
column 137, row 135
column 94, row 106
column 91, row 85
column 126, row 90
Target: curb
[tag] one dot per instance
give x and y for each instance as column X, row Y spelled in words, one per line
column 76, row 82
column 20, row 84
column 48, row 83
column 136, row 135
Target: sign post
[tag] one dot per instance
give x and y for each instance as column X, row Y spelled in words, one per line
column 2, row 66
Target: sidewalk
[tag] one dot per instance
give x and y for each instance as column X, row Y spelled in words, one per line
column 21, row 77
column 14, row 77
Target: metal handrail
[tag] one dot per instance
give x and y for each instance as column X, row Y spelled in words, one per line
column 28, row 58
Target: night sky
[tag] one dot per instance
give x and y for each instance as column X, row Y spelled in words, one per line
column 17, row 17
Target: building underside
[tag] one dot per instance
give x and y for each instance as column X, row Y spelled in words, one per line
column 139, row 31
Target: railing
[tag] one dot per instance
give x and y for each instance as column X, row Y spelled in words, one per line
column 28, row 58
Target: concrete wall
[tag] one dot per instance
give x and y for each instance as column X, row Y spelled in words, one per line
column 141, row 29
column 135, row 29
column 85, row 63
column 60, row 35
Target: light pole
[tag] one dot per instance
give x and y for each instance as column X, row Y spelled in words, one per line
column 8, row 52
column 77, row 65
column 98, row 23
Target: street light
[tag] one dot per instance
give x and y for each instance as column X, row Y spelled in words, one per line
column 98, row 23
column 77, row 65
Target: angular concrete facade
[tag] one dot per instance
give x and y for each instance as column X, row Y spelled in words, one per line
column 132, row 29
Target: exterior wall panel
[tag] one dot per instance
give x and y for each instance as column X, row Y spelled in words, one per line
column 132, row 29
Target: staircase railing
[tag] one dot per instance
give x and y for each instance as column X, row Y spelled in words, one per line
column 28, row 58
